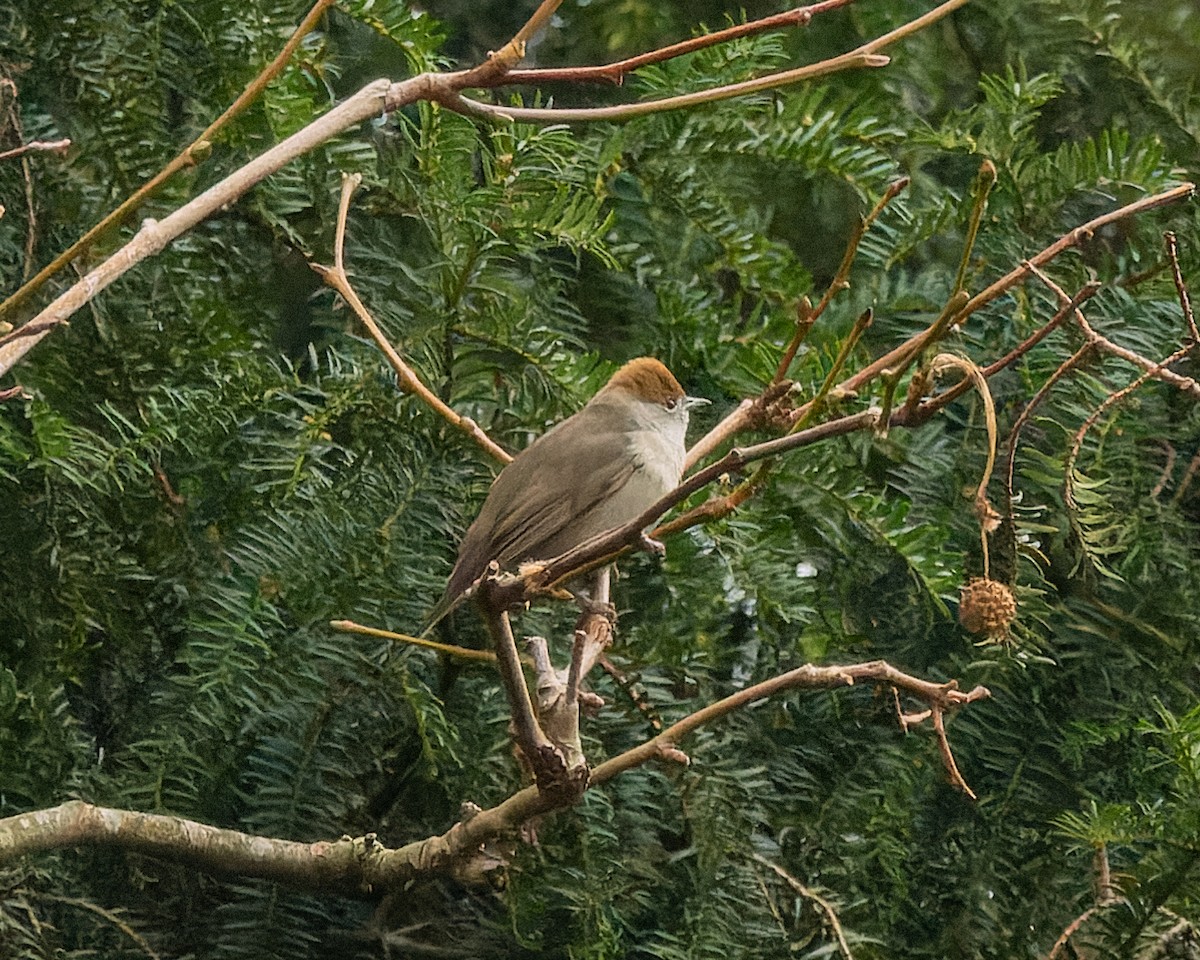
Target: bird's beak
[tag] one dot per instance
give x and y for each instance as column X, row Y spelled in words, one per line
column 690, row 402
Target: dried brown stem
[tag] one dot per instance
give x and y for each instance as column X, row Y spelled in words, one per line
column 988, row 518
column 805, row 319
column 1181, row 290
column 615, row 73
column 864, row 56
column 765, row 409
column 337, row 278
column 946, row 696
column 826, row 908
column 187, row 158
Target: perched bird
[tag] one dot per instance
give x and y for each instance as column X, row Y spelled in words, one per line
column 596, row 470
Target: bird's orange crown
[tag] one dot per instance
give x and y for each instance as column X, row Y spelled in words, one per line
column 647, row 379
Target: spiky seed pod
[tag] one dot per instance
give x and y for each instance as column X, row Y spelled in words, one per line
column 987, row 607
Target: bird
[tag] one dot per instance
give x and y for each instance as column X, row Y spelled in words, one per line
column 596, row 470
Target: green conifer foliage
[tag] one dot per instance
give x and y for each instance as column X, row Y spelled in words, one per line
column 212, row 462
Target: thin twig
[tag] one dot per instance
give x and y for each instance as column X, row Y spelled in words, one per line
column 841, row 279
column 1189, row 474
column 939, row 728
column 499, row 63
column 462, row 653
column 616, row 72
column 625, row 685
column 1072, row 238
column 476, row 108
column 946, row 696
column 984, row 181
column 1164, row 476
column 817, row 403
column 337, row 278
column 831, row 918
column 1072, row 928
column 1158, row 371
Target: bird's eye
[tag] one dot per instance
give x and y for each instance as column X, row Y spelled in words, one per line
column 672, row 403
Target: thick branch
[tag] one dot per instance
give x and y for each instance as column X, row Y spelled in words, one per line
column 362, row 865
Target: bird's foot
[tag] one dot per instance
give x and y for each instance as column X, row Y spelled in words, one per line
column 589, row 606
column 650, row 545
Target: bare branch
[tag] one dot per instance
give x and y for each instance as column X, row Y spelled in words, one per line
column 616, row 72
column 154, row 235
column 337, row 278
column 1158, row 370
column 627, row 111
column 38, row 146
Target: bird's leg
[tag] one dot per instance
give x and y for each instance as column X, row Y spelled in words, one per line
column 554, row 768
column 593, row 633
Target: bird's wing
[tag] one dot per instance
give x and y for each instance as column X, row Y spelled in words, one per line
column 543, row 492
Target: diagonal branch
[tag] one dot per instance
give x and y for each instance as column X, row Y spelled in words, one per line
column 192, row 154
column 337, row 278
